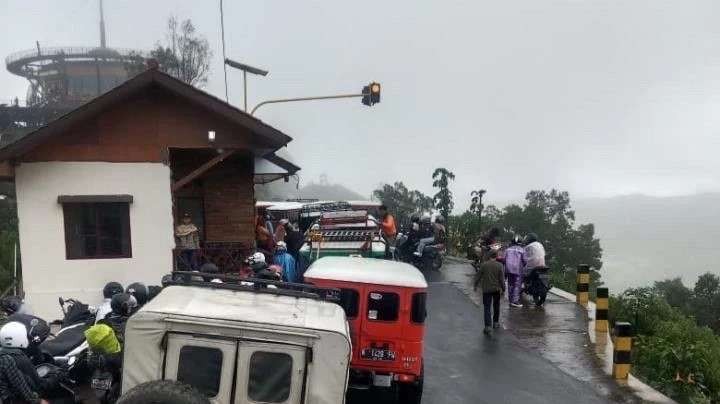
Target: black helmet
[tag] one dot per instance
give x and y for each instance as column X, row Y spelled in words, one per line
column 123, row 304
column 154, row 290
column 111, row 289
column 414, row 218
column 531, row 238
column 140, row 291
column 11, row 304
column 515, row 240
column 209, row 268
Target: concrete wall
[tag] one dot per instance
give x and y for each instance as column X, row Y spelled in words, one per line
column 47, row 274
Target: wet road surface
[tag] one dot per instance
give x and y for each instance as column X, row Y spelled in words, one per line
column 539, row 356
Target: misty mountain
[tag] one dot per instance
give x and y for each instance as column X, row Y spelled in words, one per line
column 279, row 190
column 646, row 238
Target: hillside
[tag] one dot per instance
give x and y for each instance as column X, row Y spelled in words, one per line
column 652, row 238
column 279, row 190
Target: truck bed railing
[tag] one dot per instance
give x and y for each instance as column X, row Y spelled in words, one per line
column 237, row 283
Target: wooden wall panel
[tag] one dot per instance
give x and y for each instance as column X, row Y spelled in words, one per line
column 141, row 129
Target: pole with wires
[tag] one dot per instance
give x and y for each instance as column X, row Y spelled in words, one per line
column 222, row 29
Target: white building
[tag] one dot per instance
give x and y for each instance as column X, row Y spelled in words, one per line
column 99, row 189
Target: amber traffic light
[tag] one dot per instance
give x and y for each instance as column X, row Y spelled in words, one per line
column 371, row 94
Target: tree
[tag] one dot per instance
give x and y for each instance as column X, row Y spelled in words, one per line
column 674, row 292
column 403, row 202
column 476, row 204
column 186, row 56
column 443, row 199
column 706, row 302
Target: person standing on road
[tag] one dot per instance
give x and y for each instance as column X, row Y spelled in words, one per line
column 514, row 265
column 492, row 280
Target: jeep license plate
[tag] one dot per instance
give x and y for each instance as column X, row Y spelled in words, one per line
column 101, row 384
column 375, row 354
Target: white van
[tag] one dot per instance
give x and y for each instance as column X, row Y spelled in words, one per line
column 239, row 344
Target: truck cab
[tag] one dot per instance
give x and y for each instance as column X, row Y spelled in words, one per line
column 241, row 343
column 385, row 304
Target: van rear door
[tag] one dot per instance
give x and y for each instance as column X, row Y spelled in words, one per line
column 270, row 373
column 202, row 362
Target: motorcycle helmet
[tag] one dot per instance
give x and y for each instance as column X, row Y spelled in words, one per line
column 281, row 246
column 440, row 219
column 257, row 261
column 414, row 218
column 111, row 289
column 515, row 240
column 425, row 218
column 139, row 291
column 153, row 290
column 11, row 304
column 14, row 335
column 531, row 238
column 123, row 304
column 209, row 268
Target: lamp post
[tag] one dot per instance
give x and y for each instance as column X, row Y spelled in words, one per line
column 245, row 69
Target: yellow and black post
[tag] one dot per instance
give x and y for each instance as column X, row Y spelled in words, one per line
column 583, row 284
column 601, row 310
column 623, row 347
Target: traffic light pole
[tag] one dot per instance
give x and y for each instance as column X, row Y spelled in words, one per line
column 326, row 97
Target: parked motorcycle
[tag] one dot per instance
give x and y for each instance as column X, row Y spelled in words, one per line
column 105, row 379
column 537, row 284
column 69, row 344
column 63, row 389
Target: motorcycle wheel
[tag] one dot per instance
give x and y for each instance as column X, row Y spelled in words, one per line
column 437, row 262
column 539, row 299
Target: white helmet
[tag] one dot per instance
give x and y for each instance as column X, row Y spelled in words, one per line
column 257, row 258
column 14, row 335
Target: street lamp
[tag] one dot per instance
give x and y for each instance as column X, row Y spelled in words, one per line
column 245, row 69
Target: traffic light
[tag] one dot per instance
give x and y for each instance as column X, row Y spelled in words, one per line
column 371, row 94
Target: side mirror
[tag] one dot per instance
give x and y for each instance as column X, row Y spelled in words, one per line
column 61, row 301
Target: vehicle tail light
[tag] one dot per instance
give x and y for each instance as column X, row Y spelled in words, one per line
column 404, row 378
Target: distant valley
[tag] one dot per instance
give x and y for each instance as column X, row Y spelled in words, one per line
column 653, row 238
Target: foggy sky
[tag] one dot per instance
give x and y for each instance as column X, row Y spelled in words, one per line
column 598, row 97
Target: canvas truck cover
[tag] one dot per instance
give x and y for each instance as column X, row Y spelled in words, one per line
column 317, row 324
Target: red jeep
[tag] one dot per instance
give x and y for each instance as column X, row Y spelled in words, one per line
column 384, row 302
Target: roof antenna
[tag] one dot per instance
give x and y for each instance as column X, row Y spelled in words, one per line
column 102, row 26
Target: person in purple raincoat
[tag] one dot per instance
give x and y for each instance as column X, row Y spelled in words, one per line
column 514, row 264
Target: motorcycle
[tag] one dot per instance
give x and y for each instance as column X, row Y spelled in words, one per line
column 105, row 379
column 478, row 254
column 537, row 284
column 431, row 259
column 63, row 389
column 69, row 344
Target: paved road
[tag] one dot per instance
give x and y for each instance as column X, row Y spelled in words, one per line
column 516, row 365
